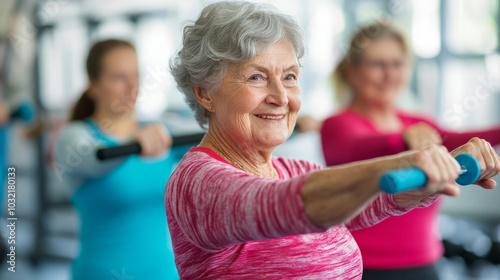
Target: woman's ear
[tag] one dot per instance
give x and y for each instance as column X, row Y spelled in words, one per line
column 204, row 98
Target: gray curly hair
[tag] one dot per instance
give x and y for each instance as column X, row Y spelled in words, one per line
column 228, row 32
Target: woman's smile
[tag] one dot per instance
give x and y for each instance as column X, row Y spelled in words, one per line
column 271, row 117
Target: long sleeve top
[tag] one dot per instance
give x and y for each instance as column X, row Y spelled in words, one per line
column 123, row 230
column 228, row 224
column 397, row 242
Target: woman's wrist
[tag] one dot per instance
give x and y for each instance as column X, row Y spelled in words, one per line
column 409, row 199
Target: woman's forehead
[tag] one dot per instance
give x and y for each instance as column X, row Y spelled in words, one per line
column 280, row 56
column 120, row 58
column 383, row 48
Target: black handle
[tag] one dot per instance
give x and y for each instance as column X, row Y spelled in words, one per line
column 119, row 151
column 187, row 139
column 135, row 148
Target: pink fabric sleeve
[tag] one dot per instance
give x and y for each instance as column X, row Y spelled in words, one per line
column 218, row 206
column 343, row 144
column 453, row 140
column 383, row 207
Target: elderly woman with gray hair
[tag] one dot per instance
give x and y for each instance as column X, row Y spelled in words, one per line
column 233, row 210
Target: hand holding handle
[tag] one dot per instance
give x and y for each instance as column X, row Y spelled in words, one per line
column 413, row 178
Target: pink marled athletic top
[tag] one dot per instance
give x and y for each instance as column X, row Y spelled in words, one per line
column 227, row 224
column 398, row 242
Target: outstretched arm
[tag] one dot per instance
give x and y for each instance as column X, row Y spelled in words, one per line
column 218, row 206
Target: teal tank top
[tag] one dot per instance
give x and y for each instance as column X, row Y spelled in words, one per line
column 124, row 232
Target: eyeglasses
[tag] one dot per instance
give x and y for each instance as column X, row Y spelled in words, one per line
column 380, row 65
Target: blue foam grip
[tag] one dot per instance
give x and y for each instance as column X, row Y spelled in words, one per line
column 470, row 164
column 24, row 112
column 413, row 178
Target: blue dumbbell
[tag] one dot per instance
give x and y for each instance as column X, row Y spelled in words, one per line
column 24, row 112
column 413, row 178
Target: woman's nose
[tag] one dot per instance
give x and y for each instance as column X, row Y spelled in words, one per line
column 277, row 94
column 392, row 71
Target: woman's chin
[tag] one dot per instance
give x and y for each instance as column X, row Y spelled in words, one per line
column 273, row 140
column 383, row 102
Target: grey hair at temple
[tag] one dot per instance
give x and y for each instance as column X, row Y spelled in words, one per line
column 228, row 32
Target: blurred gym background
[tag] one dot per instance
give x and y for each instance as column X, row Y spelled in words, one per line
column 43, row 45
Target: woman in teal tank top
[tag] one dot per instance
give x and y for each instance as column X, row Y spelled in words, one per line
column 123, row 231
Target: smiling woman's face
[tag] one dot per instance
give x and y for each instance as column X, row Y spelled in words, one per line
column 382, row 73
column 258, row 100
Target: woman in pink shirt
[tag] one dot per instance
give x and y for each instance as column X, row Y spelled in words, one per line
column 369, row 79
column 234, row 211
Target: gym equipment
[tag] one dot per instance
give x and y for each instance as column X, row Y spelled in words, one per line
column 24, row 112
column 135, row 148
column 413, row 178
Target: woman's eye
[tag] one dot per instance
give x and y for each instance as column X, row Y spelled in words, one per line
column 255, row 77
column 290, row 77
